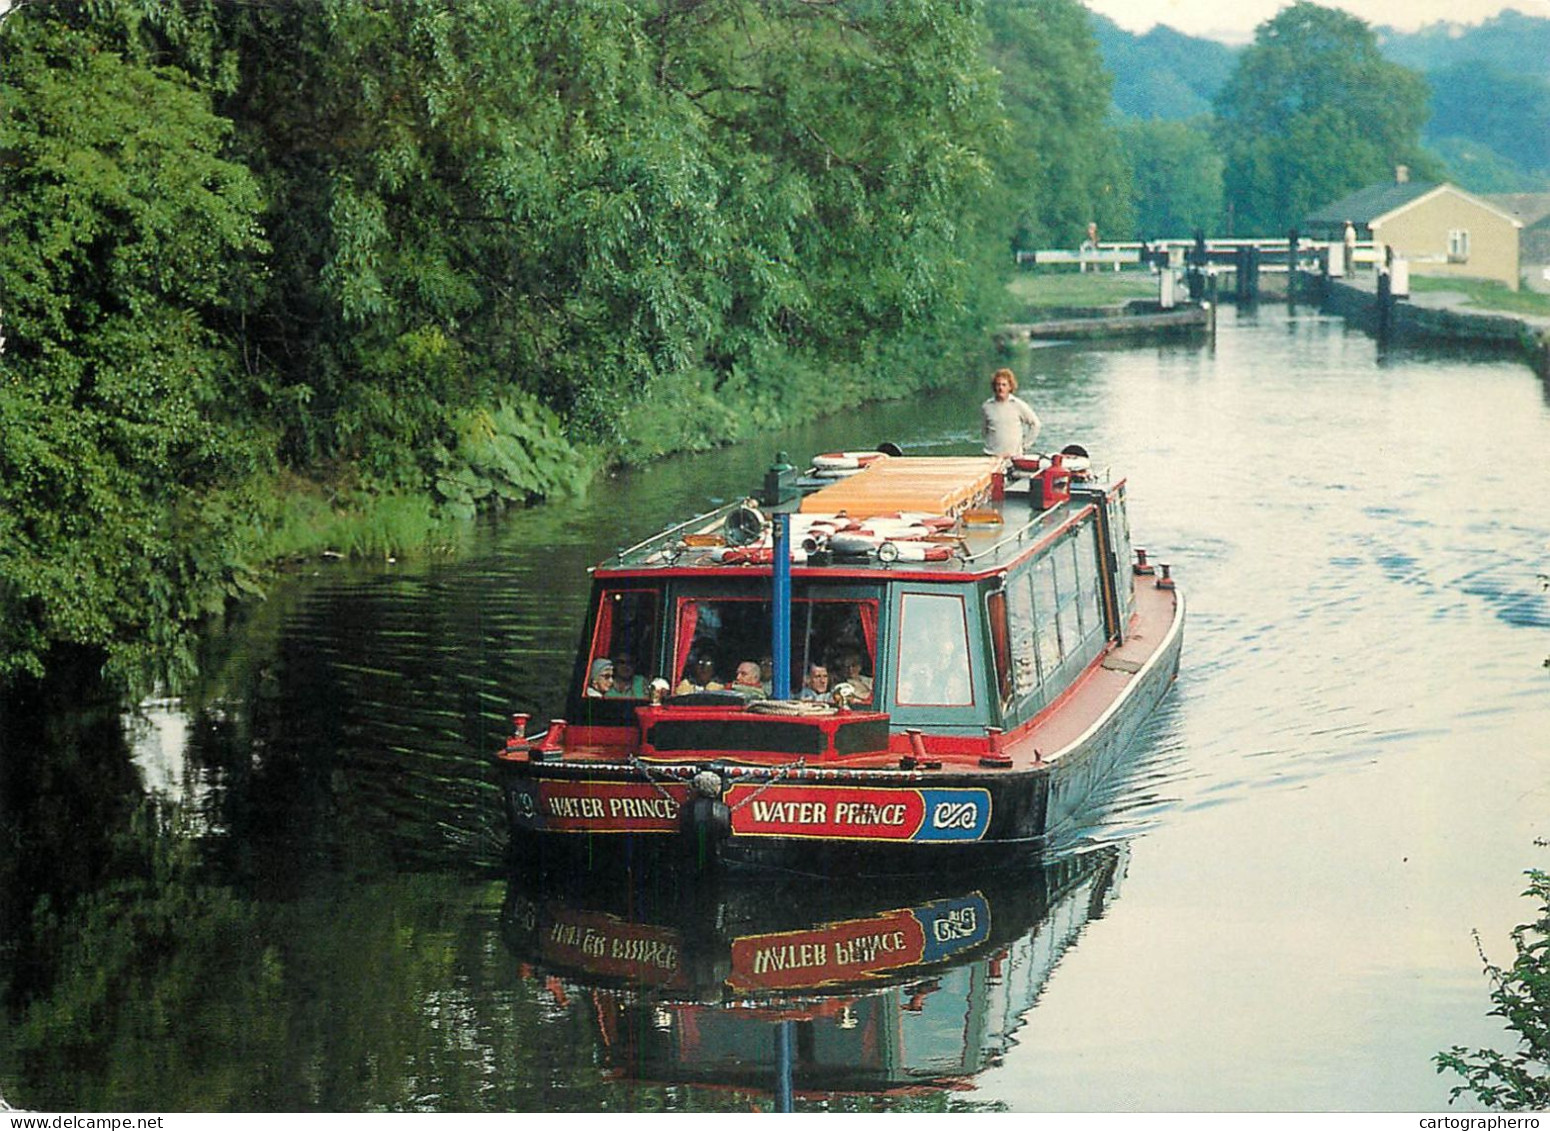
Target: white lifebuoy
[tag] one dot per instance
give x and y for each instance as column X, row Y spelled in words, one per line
column 747, row 555
column 845, row 461
column 936, row 522
column 801, row 529
column 903, row 531
column 914, row 552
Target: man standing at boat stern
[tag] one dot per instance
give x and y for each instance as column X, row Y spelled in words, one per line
column 1010, row 426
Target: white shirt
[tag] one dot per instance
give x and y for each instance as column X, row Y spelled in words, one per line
column 1005, row 423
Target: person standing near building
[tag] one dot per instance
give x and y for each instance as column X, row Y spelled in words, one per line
column 1009, row 424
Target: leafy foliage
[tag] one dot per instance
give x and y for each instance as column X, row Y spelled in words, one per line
column 1313, row 112
column 1060, row 168
column 1477, row 168
column 126, row 480
column 439, row 257
column 512, row 454
column 1177, row 177
column 1520, row 1079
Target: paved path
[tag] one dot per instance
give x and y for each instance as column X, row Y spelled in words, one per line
column 1448, row 300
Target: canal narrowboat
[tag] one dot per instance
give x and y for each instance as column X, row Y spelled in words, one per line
column 883, row 664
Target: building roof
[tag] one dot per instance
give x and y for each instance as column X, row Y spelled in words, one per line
column 1376, row 203
column 1529, row 208
column 1370, row 203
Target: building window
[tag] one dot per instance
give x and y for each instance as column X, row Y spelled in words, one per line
column 1458, row 245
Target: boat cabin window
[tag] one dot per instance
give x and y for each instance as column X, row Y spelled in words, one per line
column 934, row 651
column 1119, row 535
column 716, row 635
column 1050, row 613
column 623, row 645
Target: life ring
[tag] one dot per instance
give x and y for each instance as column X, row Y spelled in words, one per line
column 902, row 531
column 845, row 461
column 748, row 555
column 936, row 522
column 914, row 552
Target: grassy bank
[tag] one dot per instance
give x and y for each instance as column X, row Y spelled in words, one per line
column 1484, row 295
column 1036, row 291
column 338, row 517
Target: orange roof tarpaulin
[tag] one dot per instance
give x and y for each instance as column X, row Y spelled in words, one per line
column 943, row 485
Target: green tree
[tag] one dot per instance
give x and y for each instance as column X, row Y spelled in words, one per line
column 1311, row 113
column 124, row 235
column 1520, row 1079
column 579, row 200
column 444, row 247
column 1061, row 166
column 1177, row 177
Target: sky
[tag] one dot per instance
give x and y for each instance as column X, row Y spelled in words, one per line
column 1234, row 21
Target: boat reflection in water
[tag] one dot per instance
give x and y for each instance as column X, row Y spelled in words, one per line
column 900, row 989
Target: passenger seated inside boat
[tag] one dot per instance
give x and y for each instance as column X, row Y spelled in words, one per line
column 699, row 675
column 627, row 627
column 747, row 681
column 628, row 683
column 601, row 681
column 848, row 667
column 816, row 685
column 824, row 628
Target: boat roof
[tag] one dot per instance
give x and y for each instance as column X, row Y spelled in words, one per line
column 950, row 517
column 929, row 485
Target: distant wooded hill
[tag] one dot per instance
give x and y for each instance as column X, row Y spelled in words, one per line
column 1490, row 104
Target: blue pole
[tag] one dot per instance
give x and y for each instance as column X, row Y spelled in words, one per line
column 783, row 1082
column 780, row 645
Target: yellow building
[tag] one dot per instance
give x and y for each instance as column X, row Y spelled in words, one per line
column 1438, row 229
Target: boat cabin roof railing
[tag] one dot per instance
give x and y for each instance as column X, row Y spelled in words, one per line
column 979, row 512
column 700, row 520
column 1037, row 519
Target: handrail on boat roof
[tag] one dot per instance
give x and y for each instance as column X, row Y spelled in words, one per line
column 672, row 530
column 1036, row 518
column 1011, row 536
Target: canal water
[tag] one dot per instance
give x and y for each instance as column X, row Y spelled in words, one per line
column 283, row 888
